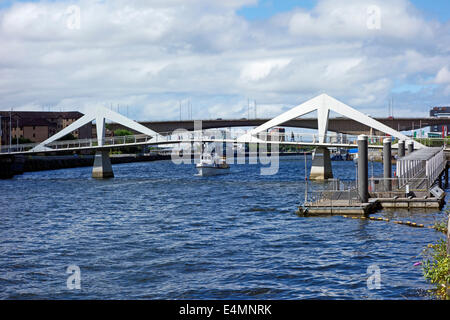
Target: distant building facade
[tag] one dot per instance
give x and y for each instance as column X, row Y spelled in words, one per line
column 37, row 126
column 277, row 134
column 440, row 112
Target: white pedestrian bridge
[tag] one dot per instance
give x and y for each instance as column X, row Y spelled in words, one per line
column 322, row 140
column 203, row 136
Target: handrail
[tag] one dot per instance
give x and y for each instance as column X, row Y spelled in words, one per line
column 188, row 136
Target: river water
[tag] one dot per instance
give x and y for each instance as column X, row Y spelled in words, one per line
column 156, row 231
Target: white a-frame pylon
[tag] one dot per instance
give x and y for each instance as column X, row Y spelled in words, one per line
column 99, row 114
column 324, row 104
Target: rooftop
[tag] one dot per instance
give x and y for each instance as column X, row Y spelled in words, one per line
column 42, row 114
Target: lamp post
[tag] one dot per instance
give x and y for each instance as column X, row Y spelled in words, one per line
column 10, row 137
column 17, row 133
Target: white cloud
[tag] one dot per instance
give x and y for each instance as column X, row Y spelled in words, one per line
column 152, row 54
column 443, row 76
column 351, row 19
column 258, row 70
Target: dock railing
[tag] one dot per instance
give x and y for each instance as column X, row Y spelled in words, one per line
column 334, row 193
column 392, row 187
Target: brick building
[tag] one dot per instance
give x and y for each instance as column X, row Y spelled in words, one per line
column 37, row 126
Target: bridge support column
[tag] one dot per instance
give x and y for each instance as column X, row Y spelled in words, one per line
column 401, row 149
column 321, row 165
column 102, row 165
column 387, row 164
column 363, row 168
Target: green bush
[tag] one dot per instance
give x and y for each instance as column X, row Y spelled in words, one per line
column 436, row 268
column 441, row 226
column 23, row 140
column 68, row 136
column 122, row 132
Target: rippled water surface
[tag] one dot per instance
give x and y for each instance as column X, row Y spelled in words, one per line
column 156, row 231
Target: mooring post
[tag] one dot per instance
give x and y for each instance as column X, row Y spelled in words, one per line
column 410, row 147
column 387, row 164
column 401, row 149
column 363, row 169
column 446, row 177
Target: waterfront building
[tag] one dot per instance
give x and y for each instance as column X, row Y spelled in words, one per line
column 440, row 112
column 37, row 126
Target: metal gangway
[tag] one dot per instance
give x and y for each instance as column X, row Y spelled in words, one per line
column 420, row 169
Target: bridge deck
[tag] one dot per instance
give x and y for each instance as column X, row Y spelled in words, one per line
column 306, row 140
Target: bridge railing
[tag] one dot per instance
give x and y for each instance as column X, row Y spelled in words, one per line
column 17, row 148
column 188, row 136
column 272, row 137
column 410, row 169
column 435, row 166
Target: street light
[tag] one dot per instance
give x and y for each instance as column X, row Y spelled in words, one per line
column 17, row 133
column 10, row 137
column 1, row 132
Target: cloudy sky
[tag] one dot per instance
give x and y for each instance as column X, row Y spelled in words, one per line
column 153, row 55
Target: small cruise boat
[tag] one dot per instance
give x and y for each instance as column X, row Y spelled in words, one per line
column 212, row 165
column 337, row 157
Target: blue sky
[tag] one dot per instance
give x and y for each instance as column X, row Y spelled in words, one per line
column 438, row 9
column 7, row 3
column 435, row 9
column 267, row 8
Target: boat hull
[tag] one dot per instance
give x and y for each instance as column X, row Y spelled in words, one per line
column 211, row 171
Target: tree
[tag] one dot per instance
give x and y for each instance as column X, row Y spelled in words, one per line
column 122, row 132
column 68, row 137
column 23, row 140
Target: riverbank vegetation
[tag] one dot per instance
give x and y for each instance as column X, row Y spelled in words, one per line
column 436, row 264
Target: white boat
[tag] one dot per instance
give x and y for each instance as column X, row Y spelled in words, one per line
column 211, row 166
